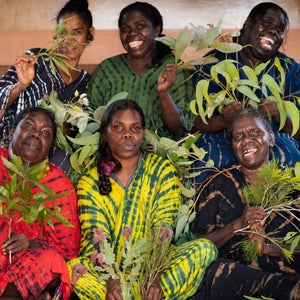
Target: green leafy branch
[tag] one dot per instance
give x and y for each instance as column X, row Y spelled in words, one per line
column 18, row 198
column 199, row 38
column 273, row 193
column 226, row 75
column 60, row 38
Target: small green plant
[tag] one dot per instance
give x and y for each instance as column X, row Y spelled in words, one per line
column 59, row 39
column 273, row 193
column 199, row 38
column 19, row 198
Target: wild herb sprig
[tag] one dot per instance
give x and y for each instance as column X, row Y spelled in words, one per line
column 18, row 198
column 274, row 192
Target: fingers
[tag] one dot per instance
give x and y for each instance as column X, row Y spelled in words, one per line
column 16, row 244
column 230, row 109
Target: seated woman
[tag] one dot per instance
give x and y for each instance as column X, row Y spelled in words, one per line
column 147, row 72
column 221, row 211
column 31, row 78
column 127, row 186
column 38, row 262
column 265, row 30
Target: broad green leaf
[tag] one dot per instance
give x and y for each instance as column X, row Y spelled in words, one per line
column 295, row 243
column 283, row 114
column 192, row 217
column 187, row 192
column 98, row 113
column 199, row 152
column 86, row 140
column 297, row 169
column 200, row 61
column 183, row 210
column 244, row 89
column 12, row 203
column 249, row 83
column 251, row 74
column 209, row 37
column 261, row 67
column 167, row 40
column 84, row 153
column 282, row 72
column 181, row 42
column 292, row 109
column 82, row 123
column 182, row 221
column 228, row 47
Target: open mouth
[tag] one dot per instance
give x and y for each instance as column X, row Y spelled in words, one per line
column 267, row 42
column 135, row 44
column 249, row 152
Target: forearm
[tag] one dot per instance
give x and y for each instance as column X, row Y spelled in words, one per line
column 170, row 114
column 221, row 236
column 214, row 124
column 14, row 94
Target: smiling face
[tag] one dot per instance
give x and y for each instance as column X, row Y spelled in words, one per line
column 251, row 141
column 73, row 47
column 125, row 135
column 265, row 34
column 32, row 138
column 137, row 34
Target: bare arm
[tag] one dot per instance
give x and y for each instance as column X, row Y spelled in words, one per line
column 217, row 123
column 170, row 112
column 221, row 236
column 25, row 69
column 270, row 108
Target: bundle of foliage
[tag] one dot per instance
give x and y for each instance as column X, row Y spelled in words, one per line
column 199, row 38
column 226, row 74
column 84, row 146
column 59, row 38
column 17, row 196
column 273, row 192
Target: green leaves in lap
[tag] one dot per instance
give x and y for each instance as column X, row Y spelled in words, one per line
column 273, row 192
column 21, row 194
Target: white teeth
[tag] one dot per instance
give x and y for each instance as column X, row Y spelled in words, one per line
column 249, row 152
column 271, row 41
column 135, row 44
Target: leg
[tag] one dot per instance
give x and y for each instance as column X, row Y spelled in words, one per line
column 185, row 272
column 226, row 279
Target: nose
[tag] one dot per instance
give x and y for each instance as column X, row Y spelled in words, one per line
column 35, row 134
column 247, row 139
column 127, row 134
column 132, row 31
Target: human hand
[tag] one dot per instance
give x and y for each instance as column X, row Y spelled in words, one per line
column 250, row 216
column 24, row 65
column 16, row 244
column 269, row 109
column 113, row 289
column 167, row 78
column 230, row 109
column 155, row 290
column 258, row 231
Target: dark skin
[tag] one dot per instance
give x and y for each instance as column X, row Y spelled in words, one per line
column 250, row 143
column 125, row 136
column 266, row 35
column 24, row 64
column 137, row 35
column 31, row 140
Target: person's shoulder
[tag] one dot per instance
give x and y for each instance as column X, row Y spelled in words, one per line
column 286, row 60
column 153, row 160
column 90, row 178
column 110, row 60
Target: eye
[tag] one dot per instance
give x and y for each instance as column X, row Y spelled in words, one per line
column 141, row 26
column 254, row 132
column 237, row 137
column 45, row 132
column 123, row 29
column 136, row 128
column 28, row 126
column 116, row 127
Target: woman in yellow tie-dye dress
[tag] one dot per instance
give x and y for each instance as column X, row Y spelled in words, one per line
column 122, row 191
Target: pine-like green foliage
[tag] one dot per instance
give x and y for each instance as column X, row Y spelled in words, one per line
column 273, row 192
